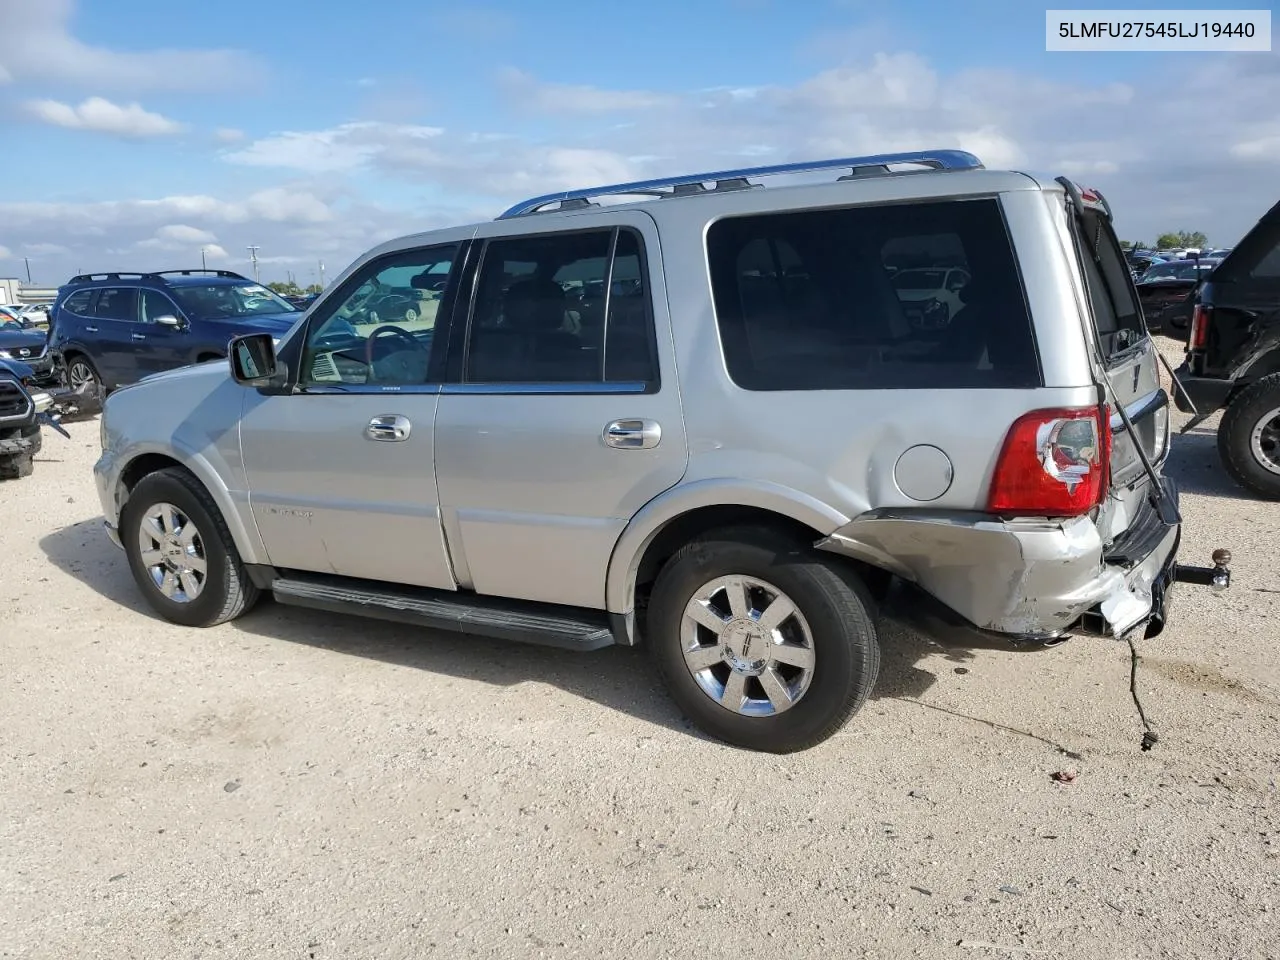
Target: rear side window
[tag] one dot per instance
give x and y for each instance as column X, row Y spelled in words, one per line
column 567, row 307
column 117, row 303
column 920, row 295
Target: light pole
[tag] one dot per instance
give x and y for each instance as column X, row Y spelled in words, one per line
column 27, row 261
column 321, row 274
column 253, row 255
column 203, row 265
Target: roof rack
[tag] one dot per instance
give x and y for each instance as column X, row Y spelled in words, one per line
column 726, row 180
column 188, row 273
column 114, row 275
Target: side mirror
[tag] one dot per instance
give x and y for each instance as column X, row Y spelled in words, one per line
column 169, row 320
column 253, row 359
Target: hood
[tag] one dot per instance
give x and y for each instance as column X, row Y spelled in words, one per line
column 272, row 323
column 16, row 369
column 12, row 341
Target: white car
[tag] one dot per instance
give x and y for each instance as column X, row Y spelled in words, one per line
column 919, row 285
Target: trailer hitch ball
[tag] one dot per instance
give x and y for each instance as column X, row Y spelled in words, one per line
column 1218, row 577
column 1221, row 573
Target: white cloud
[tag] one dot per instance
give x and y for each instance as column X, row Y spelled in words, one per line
column 340, row 150
column 102, row 116
column 228, row 134
column 5, row 253
column 181, row 233
column 530, row 92
column 38, row 45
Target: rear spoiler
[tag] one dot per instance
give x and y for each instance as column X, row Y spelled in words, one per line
column 1088, row 198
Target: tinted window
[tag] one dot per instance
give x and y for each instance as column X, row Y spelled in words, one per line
column 117, row 303
column 79, row 301
column 811, row 301
column 381, row 329
column 557, row 308
column 1269, row 266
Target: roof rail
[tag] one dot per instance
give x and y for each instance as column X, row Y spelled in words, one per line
column 114, row 275
column 737, row 179
column 187, row 273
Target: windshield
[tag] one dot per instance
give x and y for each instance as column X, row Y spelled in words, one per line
column 11, row 325
column 219, row 301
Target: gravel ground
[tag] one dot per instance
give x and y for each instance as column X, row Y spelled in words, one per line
column 302, row 785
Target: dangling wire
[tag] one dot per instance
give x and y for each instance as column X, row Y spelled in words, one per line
column 1149, row 737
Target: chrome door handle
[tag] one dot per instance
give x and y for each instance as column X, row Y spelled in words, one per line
column 139, row 336
column 632, row 434
column 91, row 329
column 390, row 427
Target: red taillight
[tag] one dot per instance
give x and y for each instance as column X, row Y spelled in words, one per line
column 1054, row 463
column 1198, row 335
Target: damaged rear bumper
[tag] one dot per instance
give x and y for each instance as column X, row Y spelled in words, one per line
column 1028, row 580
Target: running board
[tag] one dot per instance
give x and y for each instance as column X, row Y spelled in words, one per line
column 522, row 621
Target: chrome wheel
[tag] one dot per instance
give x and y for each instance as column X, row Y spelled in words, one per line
column 1264, row 441
column 80, row 373
column 172, row 552
column 747, row 646
column 410, row 315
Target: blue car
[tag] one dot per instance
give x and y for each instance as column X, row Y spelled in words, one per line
column 112, row 329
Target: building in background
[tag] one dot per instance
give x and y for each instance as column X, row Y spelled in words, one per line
column 19, row 292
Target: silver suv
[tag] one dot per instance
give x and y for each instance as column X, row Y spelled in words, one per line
column 694, row 413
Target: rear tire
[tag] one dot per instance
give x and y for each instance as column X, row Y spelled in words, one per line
column 191, row 572
column 1249, row 438
column 747, row 685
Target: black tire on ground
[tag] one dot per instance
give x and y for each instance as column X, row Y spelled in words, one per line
column 1235, row 433
column 832, row 600
column 228, row 592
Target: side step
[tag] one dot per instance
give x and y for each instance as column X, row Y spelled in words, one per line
column 522, row 621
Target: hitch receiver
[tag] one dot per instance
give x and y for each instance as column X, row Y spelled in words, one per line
column 1218, row 576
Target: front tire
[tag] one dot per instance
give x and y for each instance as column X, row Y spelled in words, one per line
column 181, row 553
column 760, row 643
column 1249, row 438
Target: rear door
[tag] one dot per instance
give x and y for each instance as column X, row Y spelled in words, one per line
column 109, row 336
column 562, row 415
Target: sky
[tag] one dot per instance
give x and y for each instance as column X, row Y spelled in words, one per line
column 141, row 132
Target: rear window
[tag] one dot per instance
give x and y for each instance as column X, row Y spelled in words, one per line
column 831, row 299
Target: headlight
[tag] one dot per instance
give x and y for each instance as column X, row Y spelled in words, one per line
column 4, row 355
column 42, row 401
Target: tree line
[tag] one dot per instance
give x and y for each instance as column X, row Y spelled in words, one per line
column 287, row 288
column 1170, row 241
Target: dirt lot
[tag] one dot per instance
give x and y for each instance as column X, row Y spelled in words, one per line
column 302, row 785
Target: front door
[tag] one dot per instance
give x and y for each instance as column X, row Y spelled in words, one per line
column 562, row 416
column 341, row 471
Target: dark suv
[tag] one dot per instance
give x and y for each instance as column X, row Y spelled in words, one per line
column 113, row 329
column 1233, row 358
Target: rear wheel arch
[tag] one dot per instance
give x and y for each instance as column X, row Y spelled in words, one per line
column 642, row 563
